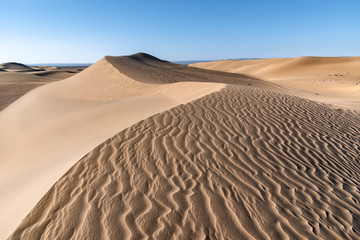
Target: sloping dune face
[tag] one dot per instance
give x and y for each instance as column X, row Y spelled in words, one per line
column 242, row 163
column 50, row 128
column 13, row 85
column 17, row 67
column 14, row 65
column 279, row 68
column 149, row 69
column 331, row 80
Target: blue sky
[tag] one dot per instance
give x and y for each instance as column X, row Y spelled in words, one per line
column 38, row 31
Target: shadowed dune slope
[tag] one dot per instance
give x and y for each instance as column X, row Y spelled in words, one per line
column 146, row 68
column 56, row 74
column 241, row 163
column 114, row 78
column 15, row 66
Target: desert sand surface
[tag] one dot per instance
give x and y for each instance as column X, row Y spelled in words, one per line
column 16, row 79
column 331, row 80
column 56, row 124
column 135, row 147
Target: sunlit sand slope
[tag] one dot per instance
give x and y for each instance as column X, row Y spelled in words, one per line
column 331, row 80
column 14, row 84
column 242, row 163
column 50, row 128
column 278, row 68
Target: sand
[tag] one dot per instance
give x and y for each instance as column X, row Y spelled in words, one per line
column 175, row 152
column 330, row 80
column 241, row 163
column 16, row 79
column 16, row 67
column 56, row 124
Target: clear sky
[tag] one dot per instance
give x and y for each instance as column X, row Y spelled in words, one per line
column 39, row 31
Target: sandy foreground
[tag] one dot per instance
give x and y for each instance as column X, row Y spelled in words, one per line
column 169, row 151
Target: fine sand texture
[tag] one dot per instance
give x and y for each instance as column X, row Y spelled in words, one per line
column 45, row 132
column 244, row 162
column 331, row 80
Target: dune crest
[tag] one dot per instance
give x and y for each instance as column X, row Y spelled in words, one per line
column 56, row 124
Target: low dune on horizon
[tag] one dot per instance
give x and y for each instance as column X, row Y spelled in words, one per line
column 331, row 80
column 136, row 147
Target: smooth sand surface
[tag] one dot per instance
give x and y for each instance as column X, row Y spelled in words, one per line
column 55, row 125
column 56, row 74
column 331, row 80
column 225, row 156
column 16, row 79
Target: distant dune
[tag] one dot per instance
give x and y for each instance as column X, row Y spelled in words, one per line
column 136, row 147
column 14, row 66
column 333, row 80
column 198, row 61
column 56, row 74
column 18, row 67
column 278, row 68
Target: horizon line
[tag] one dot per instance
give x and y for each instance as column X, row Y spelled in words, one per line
column 174, row 61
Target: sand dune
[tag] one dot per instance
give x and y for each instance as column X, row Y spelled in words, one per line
column 278, row 68
column 14, row 84
column 148, row 69
column 14, row 66
column 185, row 153
column 332, row 80
column 53, row 126
column 56, row 74
column 241, row 163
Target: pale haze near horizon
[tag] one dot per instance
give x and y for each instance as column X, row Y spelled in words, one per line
column 84, row 32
